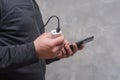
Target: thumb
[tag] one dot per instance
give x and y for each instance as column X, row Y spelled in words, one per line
column 58, row 40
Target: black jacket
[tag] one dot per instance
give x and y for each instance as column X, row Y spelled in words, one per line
column 20, row 23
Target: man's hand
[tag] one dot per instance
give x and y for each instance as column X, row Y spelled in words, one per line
column 47, row 47
column 66, row 50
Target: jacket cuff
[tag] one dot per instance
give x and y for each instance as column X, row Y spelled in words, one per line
column 32, row 52
column 48, row 61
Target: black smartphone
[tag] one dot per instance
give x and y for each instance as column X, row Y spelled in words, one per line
column 79, row 43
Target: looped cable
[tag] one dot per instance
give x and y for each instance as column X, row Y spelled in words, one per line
column 58, row 28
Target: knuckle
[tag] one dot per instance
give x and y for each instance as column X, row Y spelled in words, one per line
column 51, row 45
column 54, row 51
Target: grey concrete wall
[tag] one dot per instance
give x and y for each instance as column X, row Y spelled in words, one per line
column 100, row 59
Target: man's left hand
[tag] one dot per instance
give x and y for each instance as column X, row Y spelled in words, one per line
column 67, row 52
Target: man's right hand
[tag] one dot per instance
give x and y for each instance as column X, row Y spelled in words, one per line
column 47, row 47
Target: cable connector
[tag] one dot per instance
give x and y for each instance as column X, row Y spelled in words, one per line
column 58, row 30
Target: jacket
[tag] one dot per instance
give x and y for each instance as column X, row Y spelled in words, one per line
column 20, row 23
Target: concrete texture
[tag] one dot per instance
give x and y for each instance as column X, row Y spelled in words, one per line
column 100, row 59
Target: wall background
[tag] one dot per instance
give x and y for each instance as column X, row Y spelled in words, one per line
column 100, row 60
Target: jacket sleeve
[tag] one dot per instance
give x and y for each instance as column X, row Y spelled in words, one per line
column 48, row 61
column 12, row 57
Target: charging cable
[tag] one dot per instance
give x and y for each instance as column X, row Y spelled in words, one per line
column 58, row 30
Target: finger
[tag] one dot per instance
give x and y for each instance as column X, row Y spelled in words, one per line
column 58, row 40
column 75, row 48
column 68, row 50
column 58, row 49
column 59, row 55
column 64, row 53
column 81, row 47
column 63, row 49
column 66, row 42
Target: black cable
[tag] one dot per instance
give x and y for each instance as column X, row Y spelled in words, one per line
column 58, row 28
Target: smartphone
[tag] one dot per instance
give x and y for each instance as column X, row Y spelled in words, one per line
column 79, row 43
